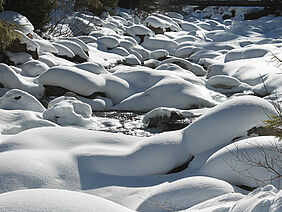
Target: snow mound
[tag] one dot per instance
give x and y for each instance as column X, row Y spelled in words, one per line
column 137, row 30
column 227, row 84
column 109, row 41
column 132, row 60
column 195, row 57
column 46, row 46
column 155, row 43
column 92, row 67
column 98, row 104
column 266, row 198
column 17, row 19
column 162, row 113
column 119, row 50
column 158, row 54
column 78, row 41
column 10, row 79
column 18, row 58
column 16, row 121
column 246, row 53
column 221, row 203
column 239, row 163
column 20, row 100
column 272, row 84
column 155, row 22
column 186, row 26
column 68, row 111
column 249, row 71
column 74, row 47
column 184, row 193
column 33, row 68
column 31, row 45
column 176, row 93
column 244, row 112
column 185, row 64
column 45, row 200
column 63, row 50
column 86, row 83
column 175, row 15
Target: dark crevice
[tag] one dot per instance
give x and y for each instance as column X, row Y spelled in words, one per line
column 51, row 90
column 181, row 167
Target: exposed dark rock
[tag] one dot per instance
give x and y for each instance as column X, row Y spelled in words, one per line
column 247, row 188
column 51, row 90
column 142, row 37
column 78, row 59
column 223, row 86
column 16, row 47
column 226, row 16
column 181, row 167
column 175, row 121
column 156, row 30
column 265, row 131
column 1, row 85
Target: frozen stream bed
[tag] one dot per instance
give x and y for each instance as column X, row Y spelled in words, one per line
column 126, row 114
column 130, row 123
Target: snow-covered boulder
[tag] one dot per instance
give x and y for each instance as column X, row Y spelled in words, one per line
column 151, row 63
column 221, row 203
column 246, row 162
column 156, row 24
column 176, row 93
column 188, row 26
column 249, row 71
column 46, row 46
column 87, row 39
column 23, row 45
column 63, row 51
column 185, row 64
column 75, row 48
column 227, row 84
column 18, row 58
column 161, row 117
column 233, row 117
column 137, row 30
column 10, row 79
column 131, row 60
column 92, row 67
column 185, row 51
column 99, row 103
column 195, row 57
column 184, row 193
column 68, row 111
column 86, row 83
column 33, row 68
column 266, row 198
column 78, row 41
column 33, row 200
column 140, row 32
column 175, row 15
column 127, row 44
column 247, row 53
column 17, row 19
column 16, row 121
column 120, row 51
column 159, row 54
column 20, row 100
column 109, row 42
column 154, row 43
column 271, row 84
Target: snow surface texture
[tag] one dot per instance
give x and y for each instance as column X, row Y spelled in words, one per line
column 53, row 157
